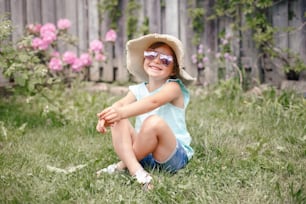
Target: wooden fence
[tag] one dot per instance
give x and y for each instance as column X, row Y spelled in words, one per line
column 165, row 16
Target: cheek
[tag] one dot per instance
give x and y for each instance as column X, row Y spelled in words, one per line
column 145, row 63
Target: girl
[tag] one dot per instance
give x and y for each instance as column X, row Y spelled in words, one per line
column 160, row 139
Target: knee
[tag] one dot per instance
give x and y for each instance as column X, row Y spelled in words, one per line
column 153, row 122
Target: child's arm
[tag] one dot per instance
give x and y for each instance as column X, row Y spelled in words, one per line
column 102, row 124
column 167, row 94
column 129, row 98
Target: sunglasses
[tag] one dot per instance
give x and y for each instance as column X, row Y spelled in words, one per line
column 165, row 59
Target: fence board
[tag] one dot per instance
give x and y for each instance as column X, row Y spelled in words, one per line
column 61, row 9
column 280, row 20
column 108, row 66
column 141, row 13
column 93, row 34
column 61, row 13
column 122, row 73
column 186, row 35
column 302, row 49
column 172, row 17
column 295, row 37
column 33, row 11
column 70, row 12
column 82, row 23
column 48, row 11
column 3, row 10
column 154, row 13
column 18, row 18
column 211, row 40
column 3, row 7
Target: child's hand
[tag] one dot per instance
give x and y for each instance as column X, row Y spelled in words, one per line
column 111, row 115
column 101, row 126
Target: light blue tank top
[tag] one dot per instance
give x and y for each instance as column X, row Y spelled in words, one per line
column 173, row 115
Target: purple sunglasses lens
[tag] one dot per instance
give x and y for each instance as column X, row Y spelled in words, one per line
column 165, row 59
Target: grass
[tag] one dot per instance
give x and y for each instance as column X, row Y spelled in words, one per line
column 248, row 149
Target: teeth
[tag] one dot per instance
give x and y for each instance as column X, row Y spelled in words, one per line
column 154, row 67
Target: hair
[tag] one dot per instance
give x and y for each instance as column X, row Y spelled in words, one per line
column 175, row 63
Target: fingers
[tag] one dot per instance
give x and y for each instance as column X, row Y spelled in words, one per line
column 100, row 126
column 105, row 112
column 107, row 117
column 110, row 115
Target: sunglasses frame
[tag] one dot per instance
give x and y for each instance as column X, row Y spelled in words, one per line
column 166, row 60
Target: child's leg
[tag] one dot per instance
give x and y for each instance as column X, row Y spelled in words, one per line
column 155, row 137
column 122, row 138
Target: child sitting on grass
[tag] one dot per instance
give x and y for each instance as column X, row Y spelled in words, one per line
column 160, row 139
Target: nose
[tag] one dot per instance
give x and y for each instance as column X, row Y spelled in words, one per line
column 157, row 59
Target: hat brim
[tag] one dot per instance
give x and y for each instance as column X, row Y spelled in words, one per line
column 136, row 47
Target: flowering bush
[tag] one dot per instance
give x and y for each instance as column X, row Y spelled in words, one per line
column 226, row 61
column 37, row 62
column 45, row 37
column 200, row 58
column 224, row 55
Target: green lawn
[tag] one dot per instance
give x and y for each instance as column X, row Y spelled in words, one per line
column 248, row 149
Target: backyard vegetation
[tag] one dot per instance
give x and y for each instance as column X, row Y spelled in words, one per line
column 248, row 149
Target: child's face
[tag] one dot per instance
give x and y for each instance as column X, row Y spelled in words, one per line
column 159, row 64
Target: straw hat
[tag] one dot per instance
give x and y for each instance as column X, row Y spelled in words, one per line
column 135, row 58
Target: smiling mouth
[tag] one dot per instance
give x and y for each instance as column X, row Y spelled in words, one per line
column 154, row 67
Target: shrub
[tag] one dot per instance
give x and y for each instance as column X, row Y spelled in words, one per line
column 35, row 62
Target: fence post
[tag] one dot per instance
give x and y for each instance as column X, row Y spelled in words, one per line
column 93, row 33
column 17, row 19
column 302, row 48
column 33, row 11
column 82, row 21
column 122, row 73
column 172, row 17
column 186, row 34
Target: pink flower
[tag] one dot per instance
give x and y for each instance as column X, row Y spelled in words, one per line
column 36, row 42
column 228, row 36
column 200, row 49
column 218, row 55
column 96, row 46
column 86, row 59
column 194, row 59
column 63, row 24
column 43, row 45
column 77, row 65
column 224, row 41
column 69, row 57
column 34, row 29
column 48, row 36
column 205, row 59
column 201, row 65
column 55, row 64
column 227, row 56
column 55, row 54
column 100, row 57
column 48, row 27
column 111, row 36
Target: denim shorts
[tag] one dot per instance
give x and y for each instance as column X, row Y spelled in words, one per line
column 177, row 161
